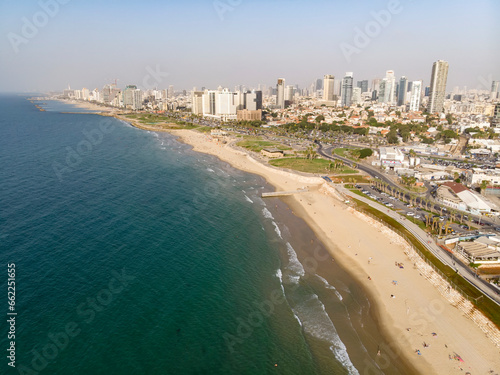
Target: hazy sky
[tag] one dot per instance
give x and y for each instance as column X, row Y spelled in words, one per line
column 228, row 42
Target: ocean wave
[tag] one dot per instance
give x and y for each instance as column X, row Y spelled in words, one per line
column 297, row 318
column 279, row 275
column 267, row 214
column 248, row 199
column 210, row 170
column 317, row 323
column 293, row 262
column 277, row 229
column 331, row 287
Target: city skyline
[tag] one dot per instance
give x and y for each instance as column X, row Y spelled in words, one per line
column 230, row 43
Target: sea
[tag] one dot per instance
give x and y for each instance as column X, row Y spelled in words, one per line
column 130, row 253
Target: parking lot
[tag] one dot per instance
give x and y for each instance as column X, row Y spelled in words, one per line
column 414, row 213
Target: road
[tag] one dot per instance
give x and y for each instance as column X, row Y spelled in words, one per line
column 327, row 153
column 445, row 257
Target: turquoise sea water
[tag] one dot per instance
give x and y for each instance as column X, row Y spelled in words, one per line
column 136, row 255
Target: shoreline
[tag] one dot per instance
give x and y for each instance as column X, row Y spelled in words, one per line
column 417, row 306
column 429, row 312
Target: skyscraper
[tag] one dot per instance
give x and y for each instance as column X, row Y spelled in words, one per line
column 416, row 93
column 328, row 87
column 356, row 95
column 346, row 95
column 289, row 94
column 403, row 87
column 363, row 85
column 494, row 90
column 390, row 87
column 253, row 100
column 280, row 93
column 437, row 89
column 319, row 84
column 382, row 98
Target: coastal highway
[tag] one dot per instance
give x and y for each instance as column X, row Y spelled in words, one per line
column 327, row 153
column 445, row 257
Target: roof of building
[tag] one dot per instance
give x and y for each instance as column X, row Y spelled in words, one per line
column 479, row 250
column 455, row 187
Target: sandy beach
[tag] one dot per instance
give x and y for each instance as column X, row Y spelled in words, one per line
column 417, row 317
column 424, row 328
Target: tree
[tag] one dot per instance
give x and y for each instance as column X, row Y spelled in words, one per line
column 319, row 119
column 484, row 185
column 392, row 136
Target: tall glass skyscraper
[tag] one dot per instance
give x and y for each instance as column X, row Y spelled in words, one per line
column 402, row 88
column 346, row 96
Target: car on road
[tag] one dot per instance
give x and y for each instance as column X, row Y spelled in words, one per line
column 409, row 213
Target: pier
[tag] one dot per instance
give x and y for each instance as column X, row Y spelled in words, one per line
column 282, row 193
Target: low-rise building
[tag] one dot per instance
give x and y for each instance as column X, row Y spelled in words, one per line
column 272, row 153
column 479, row 252
column 459, row 197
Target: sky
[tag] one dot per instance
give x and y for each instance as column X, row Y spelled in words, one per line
column 46, row 45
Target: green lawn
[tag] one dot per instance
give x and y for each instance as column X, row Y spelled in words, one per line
column 302, row 164
column 257, row 144
column 341, row 152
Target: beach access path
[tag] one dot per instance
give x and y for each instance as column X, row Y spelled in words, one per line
column 444, row 256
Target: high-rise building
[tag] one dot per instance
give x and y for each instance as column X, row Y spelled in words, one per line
column 328, row 87
column 289, row 94
column 390, row 87
column 382, row 98
column 253, row 100
column 416, row 93
column 376, row 84
column 437, row 89
column 363, row 85
column 197, row 102
column 171, row 91
column 128, row 96
column 402, row 88
column 280, row 93
column 346, row 95
column 319, row 84
column 208, row 102
column 494, row 90
column 356, row 95
column 495, row 120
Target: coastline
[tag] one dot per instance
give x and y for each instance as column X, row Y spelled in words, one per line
column 417, row 305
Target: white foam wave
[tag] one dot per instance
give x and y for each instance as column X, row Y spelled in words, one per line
column 210, row 170
column 248, row 199
column 293, row 262
column 296, row 317
column 331, row 287
column 277, row 229
column 279, row 275
column 317, row 323
column 267, row 214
